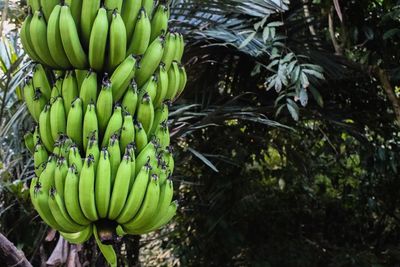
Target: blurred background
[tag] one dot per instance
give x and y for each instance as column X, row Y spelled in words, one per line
column 286, row 139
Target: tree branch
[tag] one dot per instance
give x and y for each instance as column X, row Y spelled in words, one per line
column 307, row 15
column 336, row 45
column 387, row 87
column 10, row 255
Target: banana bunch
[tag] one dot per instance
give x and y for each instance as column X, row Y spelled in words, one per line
column 96, row 159
column 103, row 77
column 72, row 193
column 63, row 100
column 82, row 34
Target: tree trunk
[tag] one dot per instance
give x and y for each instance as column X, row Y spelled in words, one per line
column 10, row 255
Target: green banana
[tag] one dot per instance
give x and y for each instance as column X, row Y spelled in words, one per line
column 60, row 214
column 129, row 14
column 154, row 163
column 122, row 76
column 120, row 189
column 145, row 111
column 46, row 182
column 70, row 39
column 46, row 178
column 148, row 209
column 80, row 77
column 41, row 81
column 163, row 174
column 69, row 90
column 136, row 196
column 39, row 197
column 166, row 194
column 148, row 5
column 90, row 125
column 74, row 158
column 180, row 48
column 182, row 80
column 54, row 41
column 93, row 149
column 148, row 152
column 57, row 118
column 57, row 148
column 88, row 92
column 127, row 132
column 45, row 128
column 79, row 237
column 103, row 184
column 29, row 142
column 162, row 85
column 39, row 102
column 75, row 7
column 171, row 45
column 35, row 5
column 75, row 122
column 29, row 95
column 114, row 125
column 129, row 102
column 140, row 39
column 104, row 105
column 160, row 115
column 169, row 159
column 71, row 196
column 162, row 134
column 112, row 5
column 141, row 139
column 36, row 136
column 115, row 156
column 117, row 43
column 86, row 189
column 38, row 34
column 173, row 81
column 47, row 8
column 159, row 22
column 26, row 40
column 40, row 157
column 150, row 87
column 130, row 149
column 170, row 213
column 98, row 39
column 60, row 174
column 90, row 12
column 150, row 61
column 66, row 144
column 55, row 92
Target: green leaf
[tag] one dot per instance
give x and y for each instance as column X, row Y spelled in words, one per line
column 314, row 73
column 304, row 80
column 247, row 40
column 265, row 34
column 279, row 110
column 293, row 109
column 317, row 96
column 204, row 159
column 303, row 97
column 275, row 24
column 390, row 33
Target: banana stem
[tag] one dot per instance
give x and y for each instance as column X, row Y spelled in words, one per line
column 106, row 230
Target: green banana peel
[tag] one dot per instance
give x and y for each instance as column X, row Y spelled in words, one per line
column 107, row 250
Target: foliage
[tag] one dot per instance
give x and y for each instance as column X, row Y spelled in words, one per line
column 15, row 163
